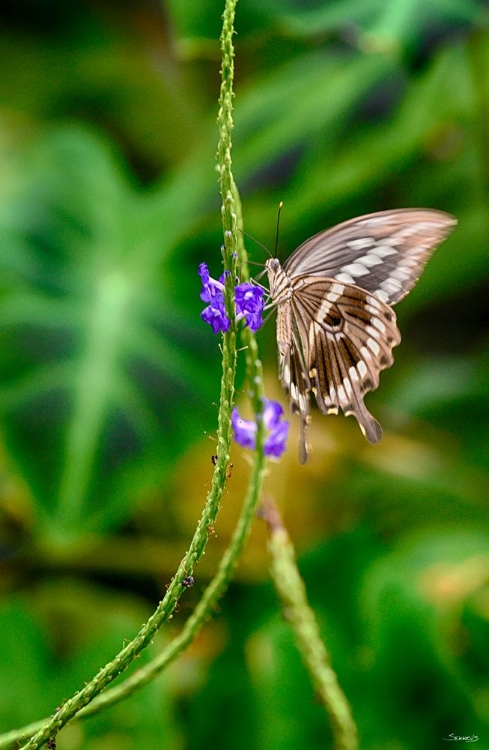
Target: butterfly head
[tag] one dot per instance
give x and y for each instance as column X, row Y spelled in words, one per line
column 279, row 281
column 272, row 265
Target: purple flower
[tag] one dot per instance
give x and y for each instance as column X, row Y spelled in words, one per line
column 249, row 302
column 204, row 275
column 245, row 430
column 276, row 440
column 272, row 411
column 216, row 316
column 213, row 293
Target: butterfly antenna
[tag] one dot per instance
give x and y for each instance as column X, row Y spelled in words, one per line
column 280, row 206
column 250, row 237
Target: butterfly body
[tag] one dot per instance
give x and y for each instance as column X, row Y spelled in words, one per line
column 335, row 325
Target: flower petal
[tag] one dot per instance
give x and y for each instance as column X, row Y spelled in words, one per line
column 244, row 430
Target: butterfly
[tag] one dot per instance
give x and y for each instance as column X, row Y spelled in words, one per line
column 335, row 324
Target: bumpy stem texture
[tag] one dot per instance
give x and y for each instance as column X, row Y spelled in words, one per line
column 292, row 593
column 167, row 606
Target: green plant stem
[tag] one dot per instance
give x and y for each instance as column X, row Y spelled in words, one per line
column 205, row 606
column 199, row 617
column 166, row 607
column 225, row 126
column 81, row 703
column 216, row 587
column 292, row 593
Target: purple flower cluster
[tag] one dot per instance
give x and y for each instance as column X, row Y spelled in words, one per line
column 245, row 430
column 248, row 298
column 213, row 293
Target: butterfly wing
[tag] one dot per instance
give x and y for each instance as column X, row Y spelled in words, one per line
column 293, row 370
column 334, row 339
column 335, row 327
column 346, row 338
column 383, row 253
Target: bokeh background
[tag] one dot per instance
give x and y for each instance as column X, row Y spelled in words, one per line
column 109, row 379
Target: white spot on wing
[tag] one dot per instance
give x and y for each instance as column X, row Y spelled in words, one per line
column 373, row 346
column 401, row 274
column 360, row 244
column 373, row 332
column 382, row 295
column 373, row 306
column 331, row 297
column 345, row 277
column 336, row 289
column 355, row 269
column 390, row 285
column 362, row 368
column 393, row 240
column 352, row 372
column 370, row 260
column 323, row 311
column 378, row 324
column 382, row 251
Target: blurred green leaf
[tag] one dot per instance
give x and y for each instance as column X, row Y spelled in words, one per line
column 97, row 340
column 322, row 88
column 414, row 595
column 387, row 26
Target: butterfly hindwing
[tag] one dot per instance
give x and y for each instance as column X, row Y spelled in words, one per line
column 293, row 371
column 350, row 338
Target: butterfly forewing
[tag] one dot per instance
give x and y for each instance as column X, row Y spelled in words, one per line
column 335, row 327
column 383, row 253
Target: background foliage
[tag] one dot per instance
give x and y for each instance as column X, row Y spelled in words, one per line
column 109, row 201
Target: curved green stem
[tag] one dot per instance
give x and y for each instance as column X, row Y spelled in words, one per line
column 292, row 593
column 166, row 607
column 199, row 617
column 204, row 608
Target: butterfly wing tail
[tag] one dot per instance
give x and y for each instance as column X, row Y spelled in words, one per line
column 303, row 451
column 369, row 426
